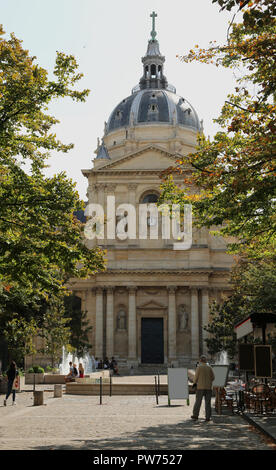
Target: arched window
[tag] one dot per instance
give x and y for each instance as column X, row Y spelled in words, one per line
column 149, row 198
column 153, row 71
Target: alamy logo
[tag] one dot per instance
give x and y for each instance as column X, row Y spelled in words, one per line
column 150, row 221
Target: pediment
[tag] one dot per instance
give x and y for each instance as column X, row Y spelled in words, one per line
column 148, row 158
column 151, row 305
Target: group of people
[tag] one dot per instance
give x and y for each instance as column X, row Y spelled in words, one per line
column 203, row 379
column 107, row 364
column 74, row 372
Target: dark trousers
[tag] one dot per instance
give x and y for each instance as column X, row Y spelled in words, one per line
column 10, row 390
column 207, row 394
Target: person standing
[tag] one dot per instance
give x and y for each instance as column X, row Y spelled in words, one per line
column 12, row 374
column 203, row 380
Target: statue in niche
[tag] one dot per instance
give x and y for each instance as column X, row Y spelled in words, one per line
column 183, row 318
column 121, row 320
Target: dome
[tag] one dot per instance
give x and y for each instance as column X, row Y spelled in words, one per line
column 153, row 100
column 152, row 105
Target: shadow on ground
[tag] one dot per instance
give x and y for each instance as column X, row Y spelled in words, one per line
column 221, row 434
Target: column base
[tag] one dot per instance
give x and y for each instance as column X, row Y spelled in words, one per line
column 132, row 363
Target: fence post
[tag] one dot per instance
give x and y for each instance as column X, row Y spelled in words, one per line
column 101, row 389
column 110, row 386
column 156, row 390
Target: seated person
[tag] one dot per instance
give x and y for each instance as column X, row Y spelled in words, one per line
column 81, row 371
column 69, row 377
column 106, row 363
column 114, row 366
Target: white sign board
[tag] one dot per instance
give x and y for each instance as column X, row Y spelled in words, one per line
column 221, row 374
column 244, row 328
column 178, row 387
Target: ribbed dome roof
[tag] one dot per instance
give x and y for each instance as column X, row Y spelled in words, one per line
column 149, row 106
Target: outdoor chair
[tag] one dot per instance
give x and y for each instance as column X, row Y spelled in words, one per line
column 261, row 398
column 226, row 399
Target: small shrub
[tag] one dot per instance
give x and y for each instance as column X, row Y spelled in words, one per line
column 36, row 370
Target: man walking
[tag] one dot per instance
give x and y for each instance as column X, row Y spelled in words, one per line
column 203, row 380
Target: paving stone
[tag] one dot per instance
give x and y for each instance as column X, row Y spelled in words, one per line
column 120, row 423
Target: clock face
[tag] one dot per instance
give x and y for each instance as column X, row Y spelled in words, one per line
column 151, row 221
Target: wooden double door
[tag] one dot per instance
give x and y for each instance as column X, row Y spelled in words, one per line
column 152, row 340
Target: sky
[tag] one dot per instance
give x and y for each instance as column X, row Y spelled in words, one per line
column 108, row 39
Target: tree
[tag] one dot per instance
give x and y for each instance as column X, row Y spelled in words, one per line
column 19, row 335
column 230, row 180
column 78, row 324
column 41, row 241
column 253, row 285
column 55, row 332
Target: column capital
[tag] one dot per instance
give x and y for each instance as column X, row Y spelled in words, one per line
column 172, row 289
column 132, row 186
column 100, row 186
column 132, row 289
column 110, row 187
column 99, row 289
column 110, row 289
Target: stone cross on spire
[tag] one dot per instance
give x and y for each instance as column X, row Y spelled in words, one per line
column 153, row 32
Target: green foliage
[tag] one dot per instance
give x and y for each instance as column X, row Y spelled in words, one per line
column 19, row 335
column 41, row 241
column 79, row 325
column 55, row 331
column 254, row 291
column 36, row 370
column 230, row 180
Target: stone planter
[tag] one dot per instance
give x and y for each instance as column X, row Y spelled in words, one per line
column 54, row 379
column 29, row 378
column 4, row 384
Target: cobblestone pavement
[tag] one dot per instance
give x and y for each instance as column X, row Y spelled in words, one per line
column 121, row 422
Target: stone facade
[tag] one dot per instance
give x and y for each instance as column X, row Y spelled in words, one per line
column 148, row 278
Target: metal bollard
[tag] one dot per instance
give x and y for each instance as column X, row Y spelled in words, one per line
column 101, row 390
column 156, row 390
column 110, row 386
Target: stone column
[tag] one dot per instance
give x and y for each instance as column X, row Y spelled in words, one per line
column 102, row 202
column 172, row 324
column 205, row 317
column 99, row 323
column 110, row 322
column 132, row 200
column 90, row 309
column 132, row 334
column 194, row 324
column 110, row 211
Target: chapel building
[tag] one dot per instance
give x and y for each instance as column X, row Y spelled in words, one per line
column 152, row 302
